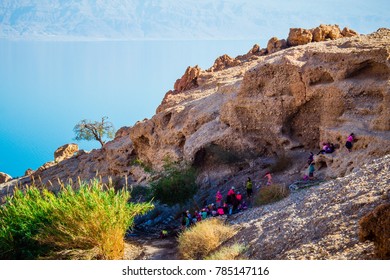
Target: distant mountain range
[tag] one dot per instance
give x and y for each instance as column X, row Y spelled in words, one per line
column 184, row 19
column 130, row 19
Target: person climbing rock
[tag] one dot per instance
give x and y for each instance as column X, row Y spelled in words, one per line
column 249, row 187
column 311, row 170
column 349, row 142
column 218, row 198
column 327, row 148
column 310, row 159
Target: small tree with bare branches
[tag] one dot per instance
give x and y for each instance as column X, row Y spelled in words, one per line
column 94, row 130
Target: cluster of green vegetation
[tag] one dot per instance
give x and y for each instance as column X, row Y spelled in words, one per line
column 147, row 168
column 270, row 194
column 204, row 240
column 87, row 223
column 176, row 185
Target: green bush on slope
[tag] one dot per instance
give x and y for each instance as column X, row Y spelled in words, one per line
column 88, row 223
column 176, row 185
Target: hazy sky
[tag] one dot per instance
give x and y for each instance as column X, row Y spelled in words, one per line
column 184, row 19
column 48, row 82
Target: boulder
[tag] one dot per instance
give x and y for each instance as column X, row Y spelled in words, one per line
column 188, row 80
column 45, row 166
column 274, row 45
column 254, row 50
column 326, row 32
column 299, row 36
column 65, row 152
column 4, row 177
column 224, row 62
column 349, row 32
column 123, row 131
column 28, row 172
column 375, row 226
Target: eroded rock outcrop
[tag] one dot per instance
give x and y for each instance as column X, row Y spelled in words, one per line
column 28, row 172
column 349, row 32
column 65, row 151
column 301, row 36
column 274, row 45
column 188, row 80
column 296, row 98
column 4, row 178
column 328, row 32
column 375, row 226
column 224, row 62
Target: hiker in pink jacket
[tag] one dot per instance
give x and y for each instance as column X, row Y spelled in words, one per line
column 349, row 142
column 218, row 198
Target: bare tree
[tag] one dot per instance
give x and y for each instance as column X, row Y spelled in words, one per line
column 94, row 130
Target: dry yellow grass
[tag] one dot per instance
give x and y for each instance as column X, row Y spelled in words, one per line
column 233, row 252
column 203, row 238
column 270, row 194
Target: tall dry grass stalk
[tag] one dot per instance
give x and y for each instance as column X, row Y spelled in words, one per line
column 270, row 194
column 233, row 252
column 205, row 237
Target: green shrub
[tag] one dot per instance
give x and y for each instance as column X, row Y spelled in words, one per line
column 176, row 185
column 88, row 223
column 205, row 237
column 147, row 168
column 269, row 194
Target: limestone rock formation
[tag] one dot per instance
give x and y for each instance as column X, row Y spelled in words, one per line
column 375, row 226
column 324, row 32
column 274, row 45
column 28, row 172
column 299, row 36
column 349, row 32
column 65, row 151
column 224, row 62
column 4, row 178
column 294, row 99
column 251, row 54
column 255, row 49
column 331, row 32
column 188, row 80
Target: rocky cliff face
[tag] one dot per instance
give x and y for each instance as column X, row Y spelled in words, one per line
column 258, row 106
column 293, row 99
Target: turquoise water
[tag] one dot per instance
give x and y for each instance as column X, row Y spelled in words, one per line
column 47, row 87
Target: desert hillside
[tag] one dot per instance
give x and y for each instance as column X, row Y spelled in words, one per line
column 272, row 102
column 321, row 222
column 243, row 116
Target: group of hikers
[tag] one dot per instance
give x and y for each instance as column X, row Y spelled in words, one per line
column 234, row 201
column 327, row 148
